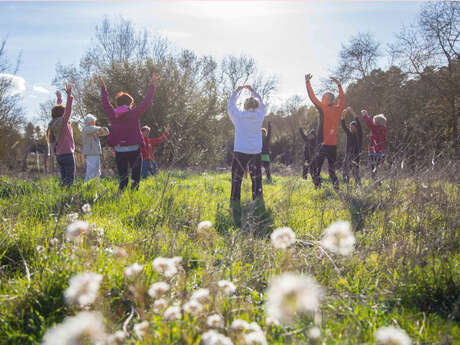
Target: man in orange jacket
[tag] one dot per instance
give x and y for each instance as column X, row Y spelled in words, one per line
column 326, row 138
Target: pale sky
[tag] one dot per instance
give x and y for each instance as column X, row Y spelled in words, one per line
column 286, row 38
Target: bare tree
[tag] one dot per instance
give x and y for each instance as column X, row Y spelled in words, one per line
column 430, row 50
column 358, row 57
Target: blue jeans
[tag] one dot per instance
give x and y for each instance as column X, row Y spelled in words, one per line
column 66, row 164
column 149, row 168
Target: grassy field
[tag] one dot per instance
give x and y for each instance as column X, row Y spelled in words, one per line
column 404, row 270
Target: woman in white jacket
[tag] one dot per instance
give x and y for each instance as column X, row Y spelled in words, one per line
column 247, row 147
column 92, row 146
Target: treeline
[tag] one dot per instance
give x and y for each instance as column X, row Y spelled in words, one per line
column 418, row 91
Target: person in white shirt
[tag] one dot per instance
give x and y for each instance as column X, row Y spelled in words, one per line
column 247, row 147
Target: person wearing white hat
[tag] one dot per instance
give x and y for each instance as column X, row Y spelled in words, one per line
column 92, row 146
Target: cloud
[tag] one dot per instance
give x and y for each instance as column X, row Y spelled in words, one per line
column 18, row 84
column 40, row 89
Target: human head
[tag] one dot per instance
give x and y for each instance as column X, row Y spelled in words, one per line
column 264, row 132
column 90, row 120
column 123, row 98
column 57, row 111
column 145, row 130
column 328, row 98
column 380, row 120
column 251, row 104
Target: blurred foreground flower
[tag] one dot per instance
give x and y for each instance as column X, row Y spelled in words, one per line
column 83, row 289
column 215, row 321
column 133, row 271
column 254, row 335
column 338, row 238
column 75, row 230
column 159, row 305
column 158, row 289
column 86, row 208
column 204, row 227
column 72, row 217
column 226, row 286
column 116, row 338
column 291, row 294
column 167, row 266
column 282, row 238
column 140, row 329
column 215, row 338
column 193, row 307
column 239, row 325
column 201, row 295
column 392, row 336
column 172, row 313
column 88, row 325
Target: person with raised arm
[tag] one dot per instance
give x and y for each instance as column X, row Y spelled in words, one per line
column 125, row 133
column 92, row 149
column 326, row 138
column 149, row 165
column 247, row 147
column 354, row 135
column 60, row 137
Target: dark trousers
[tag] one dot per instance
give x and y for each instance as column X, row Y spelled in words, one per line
column 66, row 163
column 307, row 169
column 266, row 166
column 126, row 160
column 329, row 153
column 239, row 164
column 351, row 163
column 375, row 162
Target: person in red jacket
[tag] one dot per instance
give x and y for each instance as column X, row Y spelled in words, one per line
column 149, row 165
column 377, row 140
column 326, row 135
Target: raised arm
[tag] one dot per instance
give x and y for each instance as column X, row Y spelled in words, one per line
column 261, row 108
column 341, row 101
column 141, row 108
column 92, row 130
column 106, row 105
column 310, row 91
column 233, row 110
column 159, row 140
column 68, row 105
column 367, row 119
column 58, row 97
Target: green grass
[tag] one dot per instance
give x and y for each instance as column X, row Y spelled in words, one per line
column 404, row 270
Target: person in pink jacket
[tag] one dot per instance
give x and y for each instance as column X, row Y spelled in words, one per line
column 125, row 133
column 60, row 137
column 377, row 140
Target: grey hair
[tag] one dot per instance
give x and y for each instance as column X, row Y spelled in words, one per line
column 89, row 118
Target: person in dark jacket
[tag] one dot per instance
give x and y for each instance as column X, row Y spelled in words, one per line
column 265, row 155
column 308, row 152
column 354, row 134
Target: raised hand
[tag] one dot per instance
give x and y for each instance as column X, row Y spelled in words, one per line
column 308, row 77
column 249, row 88
column 153, row 79
column 58, row 94
column 335, row 80
column 68, row 89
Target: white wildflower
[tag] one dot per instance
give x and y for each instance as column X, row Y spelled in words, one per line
column 338, row 238
column 215, row 321
column 193, row 307
column 72, row 217
column 172, row 313
column 227, row 287
column 269, row 321
column 133, row 271
column 86, row 208
column 255, row 338
column 239, row 325
column 212, row 337
column 253, row 327
column 140, row 329
column 282, row 238
column 85, row 324
column 158, row 289
column 314, row 333
column 204, row 227
column 83, row 289
column 159, row 305
column 177, row 261
column 116, row 338
column 290, row 294
column 75, row 230
column 54, row 242
column 99, row 232
column 40, row 249
column 392, row 336
column 201, row 295
column 169, row 267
